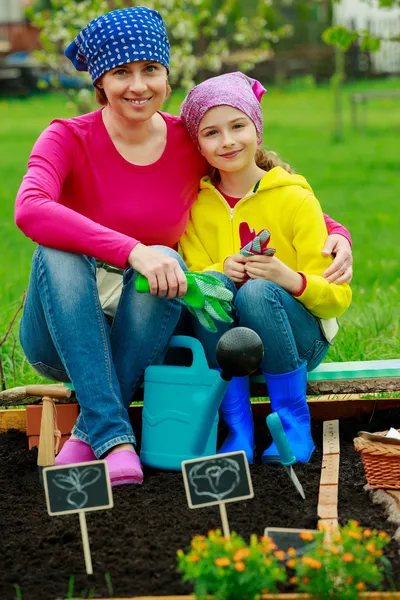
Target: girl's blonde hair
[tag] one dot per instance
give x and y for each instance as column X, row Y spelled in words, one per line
column 101, row 97
column 265, row 159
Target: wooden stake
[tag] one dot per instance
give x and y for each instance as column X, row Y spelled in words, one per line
column 224, row 519
column 46, row 452
column 85, row 543
column 327, row 509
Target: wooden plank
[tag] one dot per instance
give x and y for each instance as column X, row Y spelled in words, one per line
column 12, row 419
column 330, row 468
column 330, row 440
column 293, row 596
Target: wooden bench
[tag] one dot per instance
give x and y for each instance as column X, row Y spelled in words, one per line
column 361, row 98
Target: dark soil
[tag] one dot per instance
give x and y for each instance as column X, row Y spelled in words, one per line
column 136, row 541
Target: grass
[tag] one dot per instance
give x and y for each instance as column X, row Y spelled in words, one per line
column 357, row 183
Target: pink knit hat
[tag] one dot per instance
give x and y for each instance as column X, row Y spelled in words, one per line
column 232, row 89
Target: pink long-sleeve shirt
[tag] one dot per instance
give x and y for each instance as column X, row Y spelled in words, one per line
column 80, row 195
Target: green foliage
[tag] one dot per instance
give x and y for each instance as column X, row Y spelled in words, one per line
column 341, row 564
column 229, row 568
column 203, row 33
column 335, row 565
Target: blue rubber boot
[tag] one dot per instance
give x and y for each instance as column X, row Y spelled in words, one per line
column 287, row 392
column 235, row 411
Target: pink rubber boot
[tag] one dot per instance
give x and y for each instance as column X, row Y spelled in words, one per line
column 124, row 468
column 74, row 451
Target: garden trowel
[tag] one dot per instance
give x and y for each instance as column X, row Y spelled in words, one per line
column 286, row 455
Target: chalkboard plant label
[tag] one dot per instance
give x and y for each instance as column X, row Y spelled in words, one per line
column 219, row 478
column 78, row 487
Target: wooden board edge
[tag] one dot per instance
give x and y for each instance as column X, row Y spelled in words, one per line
column 291, row 596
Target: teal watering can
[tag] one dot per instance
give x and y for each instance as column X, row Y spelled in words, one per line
column 180, row 408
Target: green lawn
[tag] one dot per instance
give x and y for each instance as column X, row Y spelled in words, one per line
column 357, row 183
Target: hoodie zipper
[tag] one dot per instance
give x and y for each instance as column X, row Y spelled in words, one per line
column 231, row 210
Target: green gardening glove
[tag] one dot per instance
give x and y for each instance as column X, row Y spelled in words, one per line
column 207, row 298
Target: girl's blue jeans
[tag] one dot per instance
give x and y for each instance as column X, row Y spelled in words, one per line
column 289, row 332
column 66, row 337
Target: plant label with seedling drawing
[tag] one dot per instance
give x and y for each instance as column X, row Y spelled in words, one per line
column 219, row 478
column 78, row 488
column 81, row 487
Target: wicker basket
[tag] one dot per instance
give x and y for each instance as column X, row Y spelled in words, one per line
column 381, row 462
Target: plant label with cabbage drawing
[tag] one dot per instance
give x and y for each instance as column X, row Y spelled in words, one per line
column 217, row 479
column 80, row 487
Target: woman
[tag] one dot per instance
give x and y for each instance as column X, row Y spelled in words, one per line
column 114, row 185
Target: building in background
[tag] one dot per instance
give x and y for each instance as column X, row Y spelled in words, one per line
column 381, row 22
column 16, row 34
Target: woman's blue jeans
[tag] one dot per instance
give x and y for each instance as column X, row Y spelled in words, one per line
column 289, row 332
column 66, row 337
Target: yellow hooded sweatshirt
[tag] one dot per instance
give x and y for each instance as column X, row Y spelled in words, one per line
column 286, row 206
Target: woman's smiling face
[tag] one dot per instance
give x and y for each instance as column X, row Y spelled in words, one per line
column 227, row 138
column 135, row 90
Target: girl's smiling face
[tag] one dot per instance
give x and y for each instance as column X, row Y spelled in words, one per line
column 227, row 138
column 135, row 90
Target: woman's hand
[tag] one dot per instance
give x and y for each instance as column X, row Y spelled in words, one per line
column 234, row 268
column 273, row 269
column 164, row 273
column 341, row 270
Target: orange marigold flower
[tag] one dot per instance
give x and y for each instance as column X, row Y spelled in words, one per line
column 334, row 549
column 222, row 562
column 354, row 523
column 356, row 535
column 312, row 562
column 307, row 536
column 291, row 552
column 240, row 566
column 379, row 553
column 291, row 563
column 350, row 579
column 370, row 547
column 367, row 533
column 266, row 539
column 293, row 580
column 360, row 586
column 194, row 558
column 241, row 554
column 348, row 557
column 383, row 535
column 280, row 554
column 306, row 580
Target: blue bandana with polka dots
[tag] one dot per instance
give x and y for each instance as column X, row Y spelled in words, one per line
column 119, row 37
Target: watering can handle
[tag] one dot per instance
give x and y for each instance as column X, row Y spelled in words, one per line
column 186, row 341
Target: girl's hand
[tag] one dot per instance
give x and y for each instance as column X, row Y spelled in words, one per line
column 341, row 270
column 272, row 269
column 164, row 273
column 234, row 268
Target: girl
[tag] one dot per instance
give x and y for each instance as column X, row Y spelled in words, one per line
column 283, row 297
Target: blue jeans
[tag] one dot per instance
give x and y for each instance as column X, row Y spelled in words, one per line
column 66, row 337
column 289, row 332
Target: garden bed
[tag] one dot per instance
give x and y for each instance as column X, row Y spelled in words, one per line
column 136, row 542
